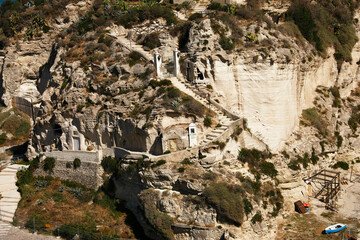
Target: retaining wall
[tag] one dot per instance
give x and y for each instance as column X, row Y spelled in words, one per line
column 88, row 156
column 88, row 174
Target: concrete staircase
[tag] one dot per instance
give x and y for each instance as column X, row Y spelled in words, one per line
column 191, row 90
column 10, row 197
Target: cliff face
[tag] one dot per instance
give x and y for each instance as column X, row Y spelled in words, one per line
column 270, row 87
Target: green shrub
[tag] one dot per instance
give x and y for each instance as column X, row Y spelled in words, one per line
column 314, row 159
column 294, row 165
column 137, row 15
column 207, row 121
column 339, row 139
column 216, row 6
column 247, row 206
column 181, row 169
column 158, row 163
column 268, row 168
column 173, row 92
column 195, row 16
column 76, row 163
column 35, row 163
column 324, row 25
column 133, row 58
column 68, row 165
column 2, row 138
column 341, row 164
column 35, row 222
column 227, row 201
column 109, row 164
column 226, row 43
column 49, row 164
column 24, row 177
column 186, row 161
column 256, row 218
column 252, row 156
column 315, row 119
column 86, row 23
column 152, row 40
column 220, row 144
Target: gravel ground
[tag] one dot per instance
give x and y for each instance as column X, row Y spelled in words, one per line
column 23, row 234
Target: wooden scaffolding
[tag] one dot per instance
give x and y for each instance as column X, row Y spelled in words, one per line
column 329, row 182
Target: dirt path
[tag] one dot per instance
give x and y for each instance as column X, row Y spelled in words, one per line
column 20, row 234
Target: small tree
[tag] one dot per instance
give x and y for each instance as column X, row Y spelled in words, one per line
column 76, row 163
column 49, row 164
column 109, row 164
column 207, row 121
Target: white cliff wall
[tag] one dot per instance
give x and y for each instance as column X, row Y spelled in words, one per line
column 272, row 96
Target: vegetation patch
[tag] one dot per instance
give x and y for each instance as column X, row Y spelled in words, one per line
column 109, row 164
column 341, row 164
column 16, row 123
column 49, row 164
column 76, row 163
column 43, row 200
column 152, row 41
column 160, row 221
column 325, row 24
column 313, row 118
column 227, row 200
column 158, row 163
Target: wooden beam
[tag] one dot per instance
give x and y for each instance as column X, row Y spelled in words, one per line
column 329, row 171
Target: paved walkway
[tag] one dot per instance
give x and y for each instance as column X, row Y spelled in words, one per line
column 10, row 198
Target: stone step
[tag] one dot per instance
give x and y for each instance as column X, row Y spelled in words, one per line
column 210, row 138
column 214, row 135
column 219, row 130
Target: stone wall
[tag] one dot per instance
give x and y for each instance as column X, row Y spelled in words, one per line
column 88, row 174
column 88, row 156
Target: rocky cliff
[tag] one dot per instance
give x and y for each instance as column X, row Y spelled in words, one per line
column 265, row 106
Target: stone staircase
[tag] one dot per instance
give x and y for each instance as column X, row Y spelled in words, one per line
column 132, row 46
column 201, row 6
column 184, row 86
column 4, row 229
column 191, row 90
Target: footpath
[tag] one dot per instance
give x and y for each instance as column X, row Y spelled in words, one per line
column 10, row 198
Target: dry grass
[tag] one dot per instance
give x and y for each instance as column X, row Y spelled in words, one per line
column 18, row 124
column 309, row 227
column 68, row 210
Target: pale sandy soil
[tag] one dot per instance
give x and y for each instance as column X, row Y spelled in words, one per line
column 349, row 201
column 23, row 234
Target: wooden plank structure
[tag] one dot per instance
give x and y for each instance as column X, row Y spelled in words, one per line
column 330, row 184
column 299, row 207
